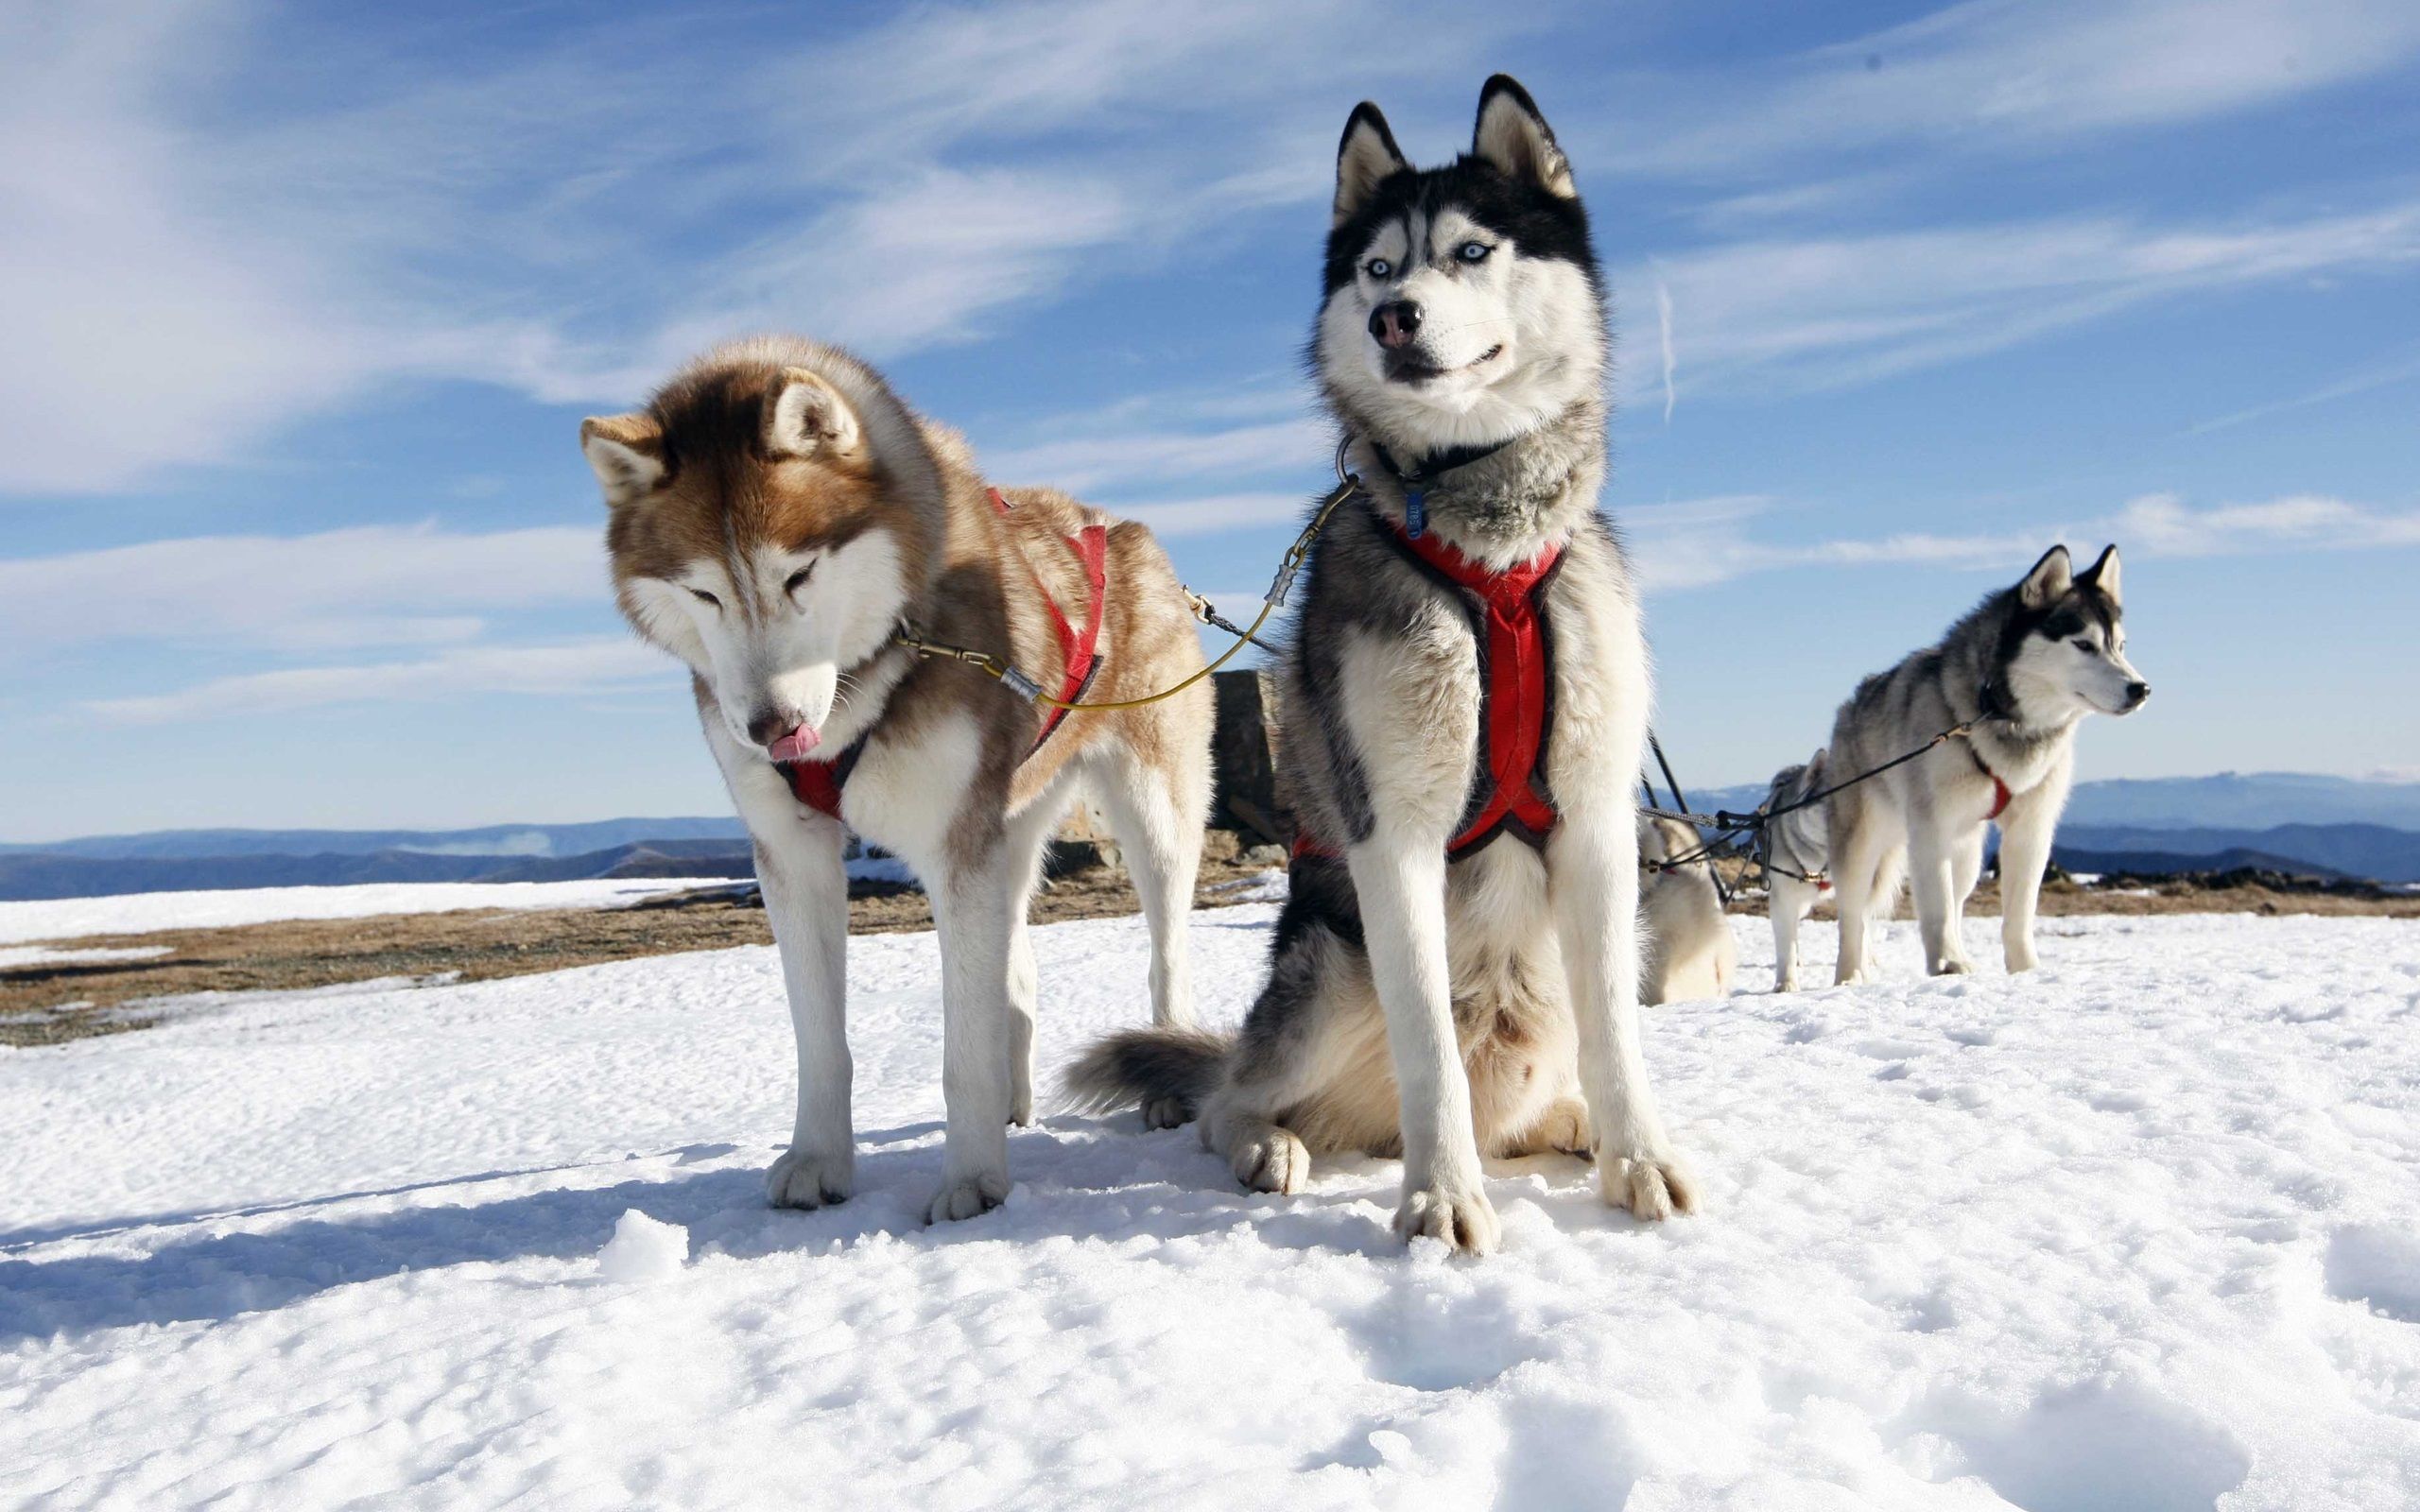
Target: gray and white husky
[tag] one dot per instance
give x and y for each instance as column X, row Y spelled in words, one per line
column 1445, row 1006
column 2023, row 668
column 1795, row 852
column 1690, row 952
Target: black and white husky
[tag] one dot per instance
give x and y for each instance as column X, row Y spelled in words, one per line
column 1455, row 971
column 2023, row 668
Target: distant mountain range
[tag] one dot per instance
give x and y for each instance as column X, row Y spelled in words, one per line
column 2322, row 825
column 2230, row 800
column 533, row 840
column 26, row 874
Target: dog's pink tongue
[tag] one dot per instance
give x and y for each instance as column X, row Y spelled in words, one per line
column 795, row 745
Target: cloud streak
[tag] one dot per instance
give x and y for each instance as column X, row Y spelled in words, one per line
column 573, row 669
column 1701, row 543
column 375, row 585
column 1998, row 76
column 1794, row 315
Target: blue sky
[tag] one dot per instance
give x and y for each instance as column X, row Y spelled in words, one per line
column 301, row 310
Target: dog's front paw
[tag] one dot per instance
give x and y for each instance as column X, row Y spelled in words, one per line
column 1953, row 966
column 2021, row 956
column 1465, row 1220
column 1166, row 1112
column 1786, row 984
column 810, row 1179
column 1652, row 1187
column 968, row 1197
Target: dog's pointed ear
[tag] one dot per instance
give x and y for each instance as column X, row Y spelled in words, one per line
column 2103, row 574
column 2050, row 578
column 627, row 453
column 1365, row 158
column 1815, row 763
column 808, row 416
column 1514, row 138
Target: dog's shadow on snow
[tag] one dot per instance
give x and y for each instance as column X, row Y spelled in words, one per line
column 1077, row 1177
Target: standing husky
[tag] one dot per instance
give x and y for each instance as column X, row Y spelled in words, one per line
column 777, row 517
column 2022, row 669
column 1690, row 952
column 1463, row 707
column 1795, row 853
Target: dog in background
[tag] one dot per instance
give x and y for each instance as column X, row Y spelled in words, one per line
column 1690, row 952
column 2020, row 671
column 1795, row 854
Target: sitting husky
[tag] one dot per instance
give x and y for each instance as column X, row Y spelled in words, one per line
column 1690, row 952
column 1794, row 854
column 2021, row 670
column 1463, row 702
column 778, row 516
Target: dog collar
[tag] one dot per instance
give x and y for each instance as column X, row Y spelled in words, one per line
column 1415, row 482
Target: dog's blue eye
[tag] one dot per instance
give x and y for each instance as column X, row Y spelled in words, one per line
column 797, row 579
column 2084, row 645
column 704, row 598
column 1377, row 267
column 1473, row 252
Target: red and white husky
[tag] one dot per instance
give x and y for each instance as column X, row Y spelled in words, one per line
column 778, row 516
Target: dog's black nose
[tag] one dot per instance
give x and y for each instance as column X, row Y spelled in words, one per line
column 1394, row 323
column 768, row 725
column 2137, row 693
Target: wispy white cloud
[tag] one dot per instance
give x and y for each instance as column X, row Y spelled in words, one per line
column 1670, row 353
column 1699, row 544
column 375, row 585
column 1832, row 311
column 1225, row 511
column 1159, row 456
column 578, row 668
column 1999, row 75
column 2366, row 381
column 199, row 243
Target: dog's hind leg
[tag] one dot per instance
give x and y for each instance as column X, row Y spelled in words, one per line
column 1787, row 904
column 1857, row 870
column 1562, row 1129
column 1029, row 836
column 1156, row 811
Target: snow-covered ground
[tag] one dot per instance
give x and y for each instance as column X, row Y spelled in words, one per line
column 66, row 918
column 2139, row 1230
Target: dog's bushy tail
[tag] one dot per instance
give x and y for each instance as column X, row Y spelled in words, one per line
column 1143, row 1066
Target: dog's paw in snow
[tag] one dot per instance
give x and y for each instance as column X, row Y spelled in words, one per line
column 968, row 1197
column 1166, row 1112
column 1652, row 1187
column 810, row 1179
column 1273, row 1161
column 1464, row 1220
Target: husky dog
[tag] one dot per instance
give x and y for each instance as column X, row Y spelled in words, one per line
column 2021, row 670
column 777, row 515
column 1690, row 952
column 1463, row 703
column 1795, row 854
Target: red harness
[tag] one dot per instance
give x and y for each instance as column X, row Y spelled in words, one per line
column 818, row 785
column 1516, row 683
column 1999, row 788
